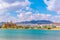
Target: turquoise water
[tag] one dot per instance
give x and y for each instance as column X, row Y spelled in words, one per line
column 29, row 34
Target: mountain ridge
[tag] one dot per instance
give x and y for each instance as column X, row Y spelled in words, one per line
column 36, row 22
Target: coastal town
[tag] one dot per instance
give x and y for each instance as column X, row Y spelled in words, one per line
column 11, row 25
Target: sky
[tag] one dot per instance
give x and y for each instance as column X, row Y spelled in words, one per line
column 27, row 10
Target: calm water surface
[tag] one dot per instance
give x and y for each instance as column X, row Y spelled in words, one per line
column 29, row 34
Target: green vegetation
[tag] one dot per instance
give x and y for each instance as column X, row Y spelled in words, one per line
column 11, row 25
column 32, row 27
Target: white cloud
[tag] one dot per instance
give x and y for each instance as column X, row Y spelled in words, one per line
column 16, row 3
column 6, row 6
column 50, row 4
column 55, row 18
column 7, row 17
column 23, row 15
column 27, row 16
column 41, row 16
column 53, row 5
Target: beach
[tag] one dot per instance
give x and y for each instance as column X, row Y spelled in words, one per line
column 58, row 28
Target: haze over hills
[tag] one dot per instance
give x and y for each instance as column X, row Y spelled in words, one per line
column 31, row 22
column 36, row 22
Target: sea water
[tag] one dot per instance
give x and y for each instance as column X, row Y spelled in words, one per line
column 17, row 34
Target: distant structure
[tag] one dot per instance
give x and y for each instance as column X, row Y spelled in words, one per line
column 9, row 25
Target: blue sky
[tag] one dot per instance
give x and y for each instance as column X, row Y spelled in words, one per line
column 26, row 10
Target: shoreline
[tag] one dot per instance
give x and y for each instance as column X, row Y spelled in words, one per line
column 27, row 29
